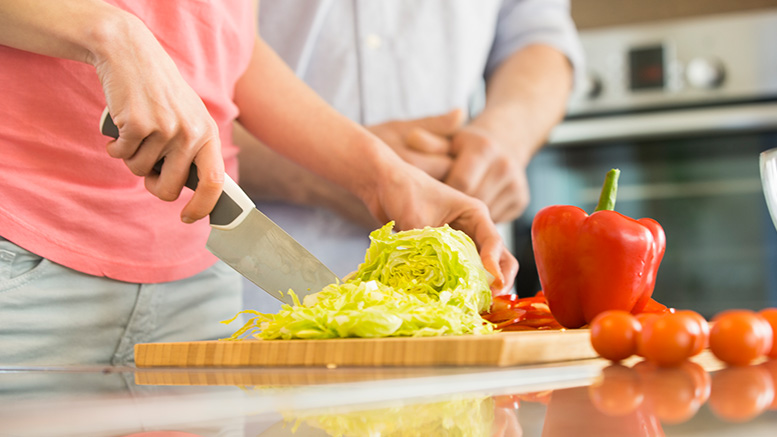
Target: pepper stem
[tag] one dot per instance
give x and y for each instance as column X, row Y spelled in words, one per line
column 609, row 191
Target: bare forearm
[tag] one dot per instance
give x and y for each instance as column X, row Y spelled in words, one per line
column 526, row 98
column 80, row 30
column 268, row 176
column 282, row 112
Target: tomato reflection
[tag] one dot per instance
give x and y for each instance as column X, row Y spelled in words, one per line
column 771, row 368
column 674, row 394
column 617, row 392
column 741, row 393
column 640, row 400
column 571, row 412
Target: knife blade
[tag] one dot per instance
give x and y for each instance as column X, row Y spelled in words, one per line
column 251, row 243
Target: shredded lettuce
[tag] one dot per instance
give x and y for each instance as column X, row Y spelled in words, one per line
column 421, row 282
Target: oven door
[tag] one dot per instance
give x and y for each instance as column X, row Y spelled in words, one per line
column 694, row 171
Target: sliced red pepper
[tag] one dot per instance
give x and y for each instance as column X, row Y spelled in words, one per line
column 510, row 313
column 591, row 263
column 653, row 306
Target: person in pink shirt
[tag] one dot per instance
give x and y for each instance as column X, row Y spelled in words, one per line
column 98, row 251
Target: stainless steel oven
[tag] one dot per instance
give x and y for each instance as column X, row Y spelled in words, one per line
column 683, row 108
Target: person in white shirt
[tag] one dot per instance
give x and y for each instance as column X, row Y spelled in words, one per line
column 465, row 90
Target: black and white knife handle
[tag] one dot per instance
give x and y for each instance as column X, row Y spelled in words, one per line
column 233, row 204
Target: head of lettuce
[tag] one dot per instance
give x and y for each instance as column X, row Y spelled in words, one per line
column 419, row 282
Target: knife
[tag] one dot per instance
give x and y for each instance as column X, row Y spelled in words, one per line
column 251, row 243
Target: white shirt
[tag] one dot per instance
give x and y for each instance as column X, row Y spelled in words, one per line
column 381, row 60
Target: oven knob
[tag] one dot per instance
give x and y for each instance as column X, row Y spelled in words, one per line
column 705, row 73
column 591, row 86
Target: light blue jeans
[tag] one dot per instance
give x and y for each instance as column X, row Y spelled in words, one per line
column 52, row 315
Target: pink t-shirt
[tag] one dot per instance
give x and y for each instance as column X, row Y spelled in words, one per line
column 61, row 195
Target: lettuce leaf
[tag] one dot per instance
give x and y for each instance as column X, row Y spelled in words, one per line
column 413, row 283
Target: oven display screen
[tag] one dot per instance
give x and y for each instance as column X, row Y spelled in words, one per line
column 646, row 66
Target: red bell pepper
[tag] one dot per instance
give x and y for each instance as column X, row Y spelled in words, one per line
column 591, row 263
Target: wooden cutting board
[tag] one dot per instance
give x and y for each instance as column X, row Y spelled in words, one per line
column 500, row 349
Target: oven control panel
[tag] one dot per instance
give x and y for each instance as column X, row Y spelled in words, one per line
column 686, row 62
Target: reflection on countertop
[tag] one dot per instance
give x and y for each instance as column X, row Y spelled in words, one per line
column 576, row 398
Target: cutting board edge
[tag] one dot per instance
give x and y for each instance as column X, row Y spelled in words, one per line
column 575, row 342
column 488, row 350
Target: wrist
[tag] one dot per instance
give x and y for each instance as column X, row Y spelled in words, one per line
column 377, row 166
column 112, row 33
column 510, row 128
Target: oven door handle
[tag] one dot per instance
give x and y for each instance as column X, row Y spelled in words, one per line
column 667, row 124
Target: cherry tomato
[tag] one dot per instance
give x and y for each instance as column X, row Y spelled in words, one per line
column 642, row 318
column 669, row 339
column 740, row 393
column 738, row 337
column 770, row 314
column 614, row 334
column 618, row 392
column 702, row 340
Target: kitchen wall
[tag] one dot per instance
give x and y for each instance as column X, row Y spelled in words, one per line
column 601, row 13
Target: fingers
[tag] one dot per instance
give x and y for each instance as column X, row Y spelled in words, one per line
column 496, row 257
column 422, row 140
column 492, row 252
column 509, row 268
column 504, row 190
column 427, row 151
column 473, row 157
column 482, row 169
column 507, row 206
column 436, row 166
column 443, row 125
column 210, row 171
column 145, row 142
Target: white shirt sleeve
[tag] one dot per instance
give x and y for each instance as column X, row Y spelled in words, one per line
column 524, row 22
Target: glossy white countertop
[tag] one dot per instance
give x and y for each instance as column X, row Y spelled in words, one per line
column 572, row 398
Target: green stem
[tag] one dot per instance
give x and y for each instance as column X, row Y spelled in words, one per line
column 609, row 191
